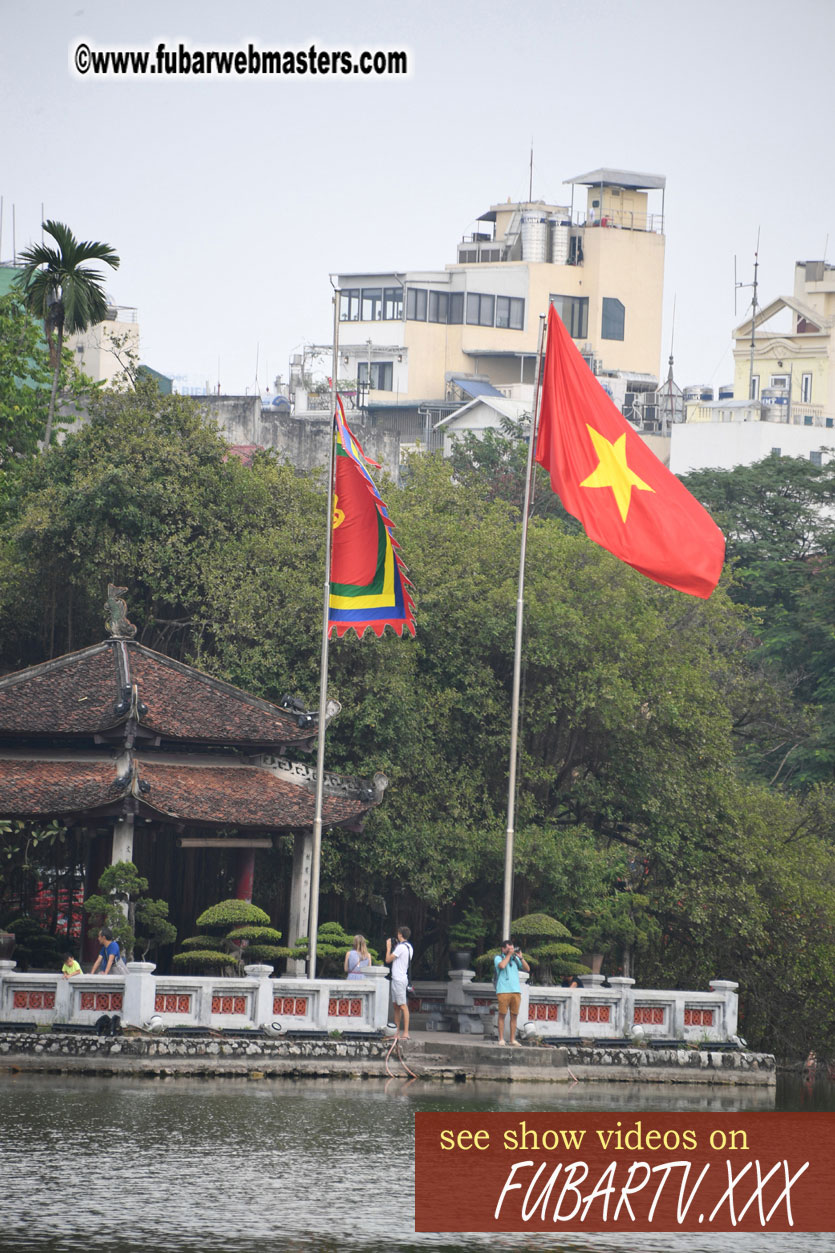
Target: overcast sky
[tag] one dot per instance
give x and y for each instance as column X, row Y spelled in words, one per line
column 231, row 200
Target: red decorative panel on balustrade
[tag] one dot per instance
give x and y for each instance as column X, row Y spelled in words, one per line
column 172, row 1003
column 544, row 1011
column 228, row 1004
column 484, row 1002
column 344, row 1007
column 101, row 1002
column 31, row 999
column 648, row 1016
column 295, row 1006
column 595, row 1013
column 698, row 1017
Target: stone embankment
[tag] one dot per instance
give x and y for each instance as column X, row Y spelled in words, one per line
column 428, row 1055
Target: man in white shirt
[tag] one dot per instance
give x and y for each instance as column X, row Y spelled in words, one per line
column 399, row 958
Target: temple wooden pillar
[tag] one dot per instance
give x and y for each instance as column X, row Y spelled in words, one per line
column 244, row 873
column 300, row 895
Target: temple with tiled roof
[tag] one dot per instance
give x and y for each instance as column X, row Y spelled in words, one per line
column 125, row 743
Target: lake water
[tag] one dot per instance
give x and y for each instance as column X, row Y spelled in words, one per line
column 255, row 1166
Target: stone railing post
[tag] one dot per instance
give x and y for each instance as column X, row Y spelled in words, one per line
column 380, row 999
column 455, row 994
column 139, row 995
column 727, row 989
column 63, row 1000
column 624, row 1009
column 262, row 1001
column 524, row 978
column 7, row 968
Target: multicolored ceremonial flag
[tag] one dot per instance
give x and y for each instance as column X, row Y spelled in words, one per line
column 604, row 474
column 368, row 587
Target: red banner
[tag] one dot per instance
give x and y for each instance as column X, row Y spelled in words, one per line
column 660, row 1172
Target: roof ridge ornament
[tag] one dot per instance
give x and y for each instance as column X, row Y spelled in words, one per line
column 117, row 614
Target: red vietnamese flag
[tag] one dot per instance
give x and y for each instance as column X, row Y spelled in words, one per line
column 604, row 474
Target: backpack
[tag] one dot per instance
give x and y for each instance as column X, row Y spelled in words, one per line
column 410, row 991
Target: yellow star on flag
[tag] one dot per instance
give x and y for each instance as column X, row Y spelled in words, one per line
column 612, row 470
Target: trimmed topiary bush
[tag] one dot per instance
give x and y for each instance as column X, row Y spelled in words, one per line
column 220, row 919
column 204, row 962
column 233, row 934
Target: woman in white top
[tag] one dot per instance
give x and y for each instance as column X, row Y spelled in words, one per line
column 357, row 958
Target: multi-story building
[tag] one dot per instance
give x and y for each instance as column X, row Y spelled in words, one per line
column 408, row 339
column 792, row 366
column 784, row 385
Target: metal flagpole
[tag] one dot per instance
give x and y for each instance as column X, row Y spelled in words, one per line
column 323, row 670
column 507, row 905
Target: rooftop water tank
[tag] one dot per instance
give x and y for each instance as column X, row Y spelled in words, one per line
column 560, row 236
column 534, row 237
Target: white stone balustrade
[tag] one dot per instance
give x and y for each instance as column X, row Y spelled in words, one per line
column 252, row 1001
column 617, row 1011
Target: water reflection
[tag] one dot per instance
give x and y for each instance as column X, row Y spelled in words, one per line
column 195, row 1166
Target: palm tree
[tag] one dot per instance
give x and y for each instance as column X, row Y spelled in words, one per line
column 57, row 287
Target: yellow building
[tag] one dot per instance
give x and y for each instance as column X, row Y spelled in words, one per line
column 792, row 367
column 407, row 337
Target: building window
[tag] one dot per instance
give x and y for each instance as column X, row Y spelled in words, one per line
column 755, row 387
column 392, row 304
column 614, row 316
column 510, row 312
column 416, row 304
column 779, row 380
column 381, row 375
column 438, row 306
column 372, row 304
column 456, row 308
column 806, row 389
column 574, row 311
column 480, row 309
column 349, row 305
column 775, row 452
column 808, row 420
column 816, row 458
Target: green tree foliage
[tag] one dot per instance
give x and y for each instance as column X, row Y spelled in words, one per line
column 58, row 286
column 653, row 724
column 779, row 519
column 137, row 922
column 25, row 380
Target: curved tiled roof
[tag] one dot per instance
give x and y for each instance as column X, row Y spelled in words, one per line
column 90, row 693
column 183, row 792
column 47, row 788
column 240, row 797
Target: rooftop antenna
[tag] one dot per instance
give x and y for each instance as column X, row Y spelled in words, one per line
column 1, row 228
column 530, row 179
column 753, row 286
column 670, row 410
